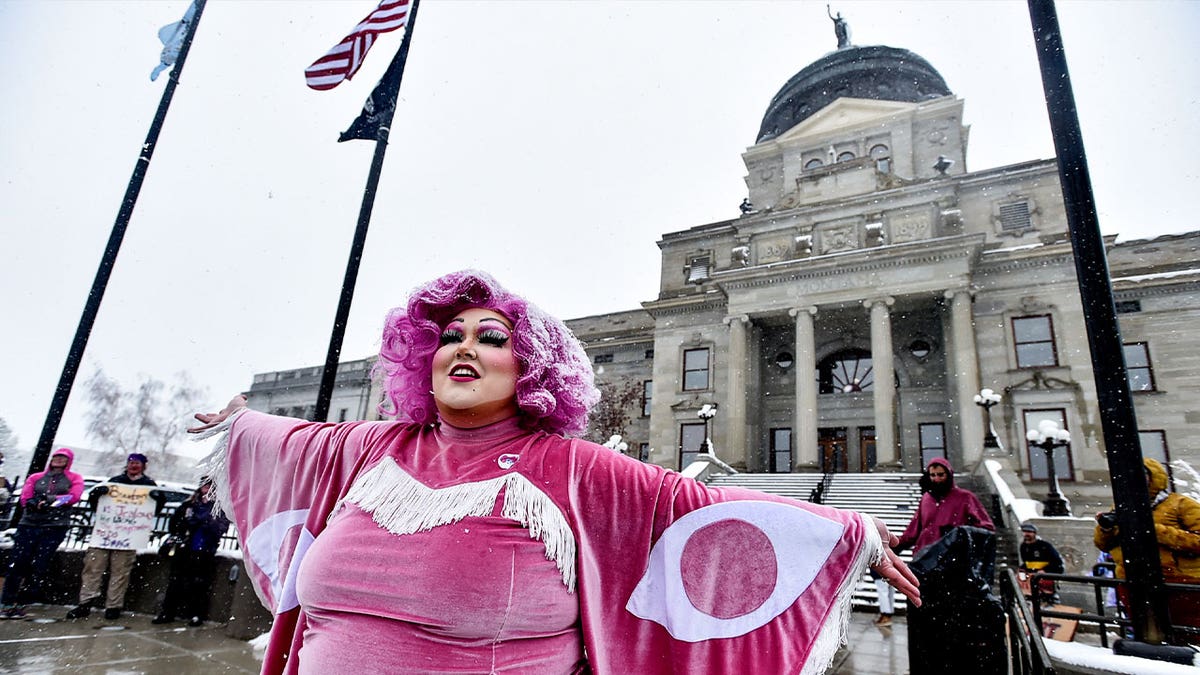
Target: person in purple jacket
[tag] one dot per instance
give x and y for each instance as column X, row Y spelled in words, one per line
column 943, row 507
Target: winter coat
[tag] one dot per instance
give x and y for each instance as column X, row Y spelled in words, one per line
column 200, row 529
column 935, row 517
column 47, row 496
column 1176, row 526
column 1041, row 556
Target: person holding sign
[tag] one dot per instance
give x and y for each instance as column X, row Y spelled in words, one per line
column 124, row 515
column 46, row 499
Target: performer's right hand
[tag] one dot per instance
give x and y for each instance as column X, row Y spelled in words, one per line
column 210, row 420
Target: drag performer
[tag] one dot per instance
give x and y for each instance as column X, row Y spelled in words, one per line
column 475, row 535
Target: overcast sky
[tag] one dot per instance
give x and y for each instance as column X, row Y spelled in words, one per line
column 550, row 143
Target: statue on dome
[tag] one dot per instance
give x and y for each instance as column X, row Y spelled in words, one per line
column 840, row 28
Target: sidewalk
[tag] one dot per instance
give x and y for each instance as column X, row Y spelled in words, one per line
column 44, row 643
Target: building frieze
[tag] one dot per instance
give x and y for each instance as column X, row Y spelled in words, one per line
column 686, row 305
column 836, row 264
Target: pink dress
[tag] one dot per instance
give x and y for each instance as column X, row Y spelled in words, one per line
column 389, row 547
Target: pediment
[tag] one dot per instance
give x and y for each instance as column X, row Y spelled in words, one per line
column 847, row 113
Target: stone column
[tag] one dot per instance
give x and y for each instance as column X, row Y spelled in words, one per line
column 734, row 410
column 805, row 452
column 883, row 366
column 966, row 377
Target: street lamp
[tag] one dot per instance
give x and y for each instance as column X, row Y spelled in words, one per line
column 986, row 398
column 1049, row 437
column 706, row 413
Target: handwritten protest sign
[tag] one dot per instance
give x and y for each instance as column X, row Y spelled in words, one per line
column 124, row 518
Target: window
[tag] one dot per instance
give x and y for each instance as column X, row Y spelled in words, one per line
column 1137, row 367
column 867, row 449
column 603, row 358
column 1154, row 446
column 649, row 353
column 698, row 269
column 1033, row 337
column 781, row 450
column 691, row 437
column 933, row 442
column 813, row 163
column 1063, row 468
column 784, row 360
column 1015, row 216
column 695, row 369
column 845, row 156
column 644, row 452
column 1129, row 306
column 647, row 394
column 919, row 348
column 880, row 151
column 846, row 372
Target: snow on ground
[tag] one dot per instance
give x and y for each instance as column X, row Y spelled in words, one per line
column 1103, row 659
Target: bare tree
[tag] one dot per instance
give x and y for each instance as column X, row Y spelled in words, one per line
column 148, row 419
column 14, row 459
column 620, row 401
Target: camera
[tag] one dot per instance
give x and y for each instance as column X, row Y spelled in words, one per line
column 1107, row 520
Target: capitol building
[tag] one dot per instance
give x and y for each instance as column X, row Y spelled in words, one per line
column 871, row 287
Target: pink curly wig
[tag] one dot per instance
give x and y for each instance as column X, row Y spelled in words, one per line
column 555, row 388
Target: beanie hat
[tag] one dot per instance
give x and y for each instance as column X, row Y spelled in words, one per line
column 137, row 457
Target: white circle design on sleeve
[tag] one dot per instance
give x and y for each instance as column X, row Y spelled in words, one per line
column 724, row 570
column 264, row 546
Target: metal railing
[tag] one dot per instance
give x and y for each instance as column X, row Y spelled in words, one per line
column 1099, row 617
column 80, row 529
column 1026, row 653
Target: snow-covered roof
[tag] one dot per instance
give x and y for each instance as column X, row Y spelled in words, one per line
column 1159, row 275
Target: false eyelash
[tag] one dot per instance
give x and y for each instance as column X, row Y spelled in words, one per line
column 495, row 338
column 450, row 335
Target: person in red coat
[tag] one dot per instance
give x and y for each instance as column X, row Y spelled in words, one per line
column 943, row 507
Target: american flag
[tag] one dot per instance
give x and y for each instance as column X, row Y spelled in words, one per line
column 343, row 61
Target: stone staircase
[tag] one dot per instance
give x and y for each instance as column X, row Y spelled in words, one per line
column 891, row 497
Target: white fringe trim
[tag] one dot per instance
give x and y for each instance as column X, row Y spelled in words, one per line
column 403, row 505
column 833, row 633
column 216, row 464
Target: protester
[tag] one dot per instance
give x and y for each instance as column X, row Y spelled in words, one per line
column 117, row 562
column 46, row 500
column 198, row 529
column 5, row 496
column 943, row 507
column 886, row 599
column 473, row 536
column 1039, row 555
column 954, row 557
column 1177, row 528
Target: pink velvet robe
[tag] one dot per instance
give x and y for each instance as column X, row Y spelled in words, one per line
column 666, row 574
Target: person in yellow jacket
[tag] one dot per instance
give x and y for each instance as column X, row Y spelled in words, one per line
column 1177, row 528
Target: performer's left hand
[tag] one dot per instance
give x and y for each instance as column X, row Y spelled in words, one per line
column 893, row 569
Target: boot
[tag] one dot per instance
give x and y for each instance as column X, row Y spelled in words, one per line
column 83, row 611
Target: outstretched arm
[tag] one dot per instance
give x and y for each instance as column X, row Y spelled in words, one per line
column 210, row 420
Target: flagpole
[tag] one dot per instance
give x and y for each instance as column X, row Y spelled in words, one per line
column 70, row 369
column 390, row 83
